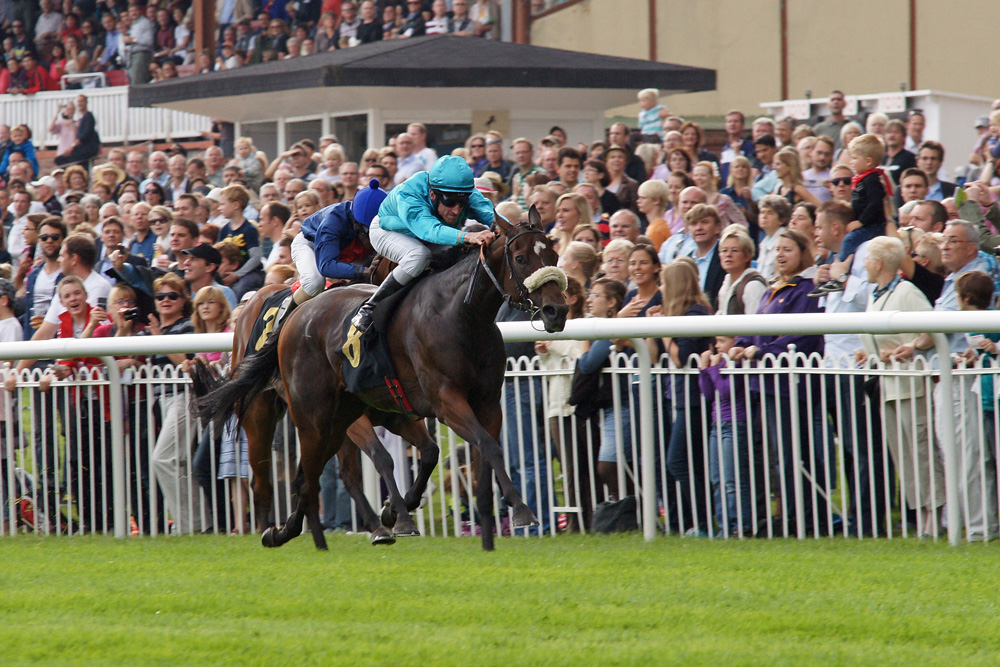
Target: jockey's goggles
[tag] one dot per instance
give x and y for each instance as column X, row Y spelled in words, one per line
column 449, row 199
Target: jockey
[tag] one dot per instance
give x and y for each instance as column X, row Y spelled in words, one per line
column 327, row 246
column 429, row 207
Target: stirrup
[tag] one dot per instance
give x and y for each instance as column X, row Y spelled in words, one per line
column 362, row 320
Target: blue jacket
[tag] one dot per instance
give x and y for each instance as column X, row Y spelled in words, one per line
column 27, row 149
column 408, row 210
column 331, row 230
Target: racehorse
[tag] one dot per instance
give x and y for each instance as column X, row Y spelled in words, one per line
column 448, row 355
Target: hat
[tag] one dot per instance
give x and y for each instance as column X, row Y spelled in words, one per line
column 214, row 194
column 204, row 251
column 496, row 181
column 615, row 148
column 47, row 181
column 176, row 149
column 74, row 195
column 109, row 166
column 485, row 185
column 549, row 140
column 982, row 121
column 58, row 170
column 451, row 174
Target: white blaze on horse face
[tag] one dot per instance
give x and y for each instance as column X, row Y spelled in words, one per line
column 539, row 247
column 546, row 274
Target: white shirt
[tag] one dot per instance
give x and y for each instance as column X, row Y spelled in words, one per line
column 272, row 258
column 10, row 331
column 97, row 287
column 767, row 256
column 839, row 348
column 813, row 180
column 45, row 289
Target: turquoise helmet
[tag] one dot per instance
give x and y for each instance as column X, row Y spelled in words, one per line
column 367, row 202
column 451, row 174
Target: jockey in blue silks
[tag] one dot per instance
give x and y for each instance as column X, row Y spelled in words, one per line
column 327, row 245
column 429, row 207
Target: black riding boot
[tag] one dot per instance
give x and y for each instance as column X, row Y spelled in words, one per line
column 363, row 320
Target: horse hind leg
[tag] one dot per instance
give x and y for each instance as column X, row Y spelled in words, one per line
column 292, row 528
column 362, row 433
column 259, row 425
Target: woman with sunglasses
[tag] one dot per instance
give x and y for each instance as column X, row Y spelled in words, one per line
column 419, row 211
column 170, row 463
column 154, row 194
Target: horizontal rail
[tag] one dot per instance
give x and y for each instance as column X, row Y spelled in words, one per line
column 581, row 329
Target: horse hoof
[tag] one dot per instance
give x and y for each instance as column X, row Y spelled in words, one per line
column 382, row 536
column 268, row 538
column 523, row 517
column 388, row 517
column 406, row 528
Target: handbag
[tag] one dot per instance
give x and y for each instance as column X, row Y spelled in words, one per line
column 590, row 393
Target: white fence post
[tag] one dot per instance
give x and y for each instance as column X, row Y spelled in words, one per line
column 647, row 447
column 117, row 446
column 947, row 429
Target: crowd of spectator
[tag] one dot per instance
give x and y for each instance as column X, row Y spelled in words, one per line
column 648, row 222
column 154, row 41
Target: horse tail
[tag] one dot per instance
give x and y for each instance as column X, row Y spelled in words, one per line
column 205, row 378
column 249, row 380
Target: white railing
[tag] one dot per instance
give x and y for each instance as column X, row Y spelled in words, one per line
column 647, row 430
column 117, row 122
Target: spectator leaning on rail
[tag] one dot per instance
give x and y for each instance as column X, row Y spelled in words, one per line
column 430, row 207
column 977, row 465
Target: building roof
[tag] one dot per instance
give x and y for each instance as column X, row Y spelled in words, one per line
column 478, row 73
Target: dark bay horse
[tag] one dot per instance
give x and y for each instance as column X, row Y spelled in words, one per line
column 448, row 355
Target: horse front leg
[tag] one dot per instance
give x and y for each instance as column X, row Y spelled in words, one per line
column 484, row 436
column 362, row 433
column 415, row 433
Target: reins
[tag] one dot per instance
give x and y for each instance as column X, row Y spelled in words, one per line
column 523, row 302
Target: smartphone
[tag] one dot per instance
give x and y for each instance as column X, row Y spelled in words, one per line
column 102, row 302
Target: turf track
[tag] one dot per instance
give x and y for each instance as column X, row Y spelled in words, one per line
column 570, row 600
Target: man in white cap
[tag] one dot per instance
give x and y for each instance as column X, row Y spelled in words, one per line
column 45, row 192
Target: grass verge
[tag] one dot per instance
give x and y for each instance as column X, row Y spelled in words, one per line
column 570, row 600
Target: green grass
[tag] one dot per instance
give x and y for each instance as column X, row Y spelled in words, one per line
column 570, row 600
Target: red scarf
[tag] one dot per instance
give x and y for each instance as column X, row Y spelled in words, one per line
column 886, row 183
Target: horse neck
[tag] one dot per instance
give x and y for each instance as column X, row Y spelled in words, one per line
column 485, row 300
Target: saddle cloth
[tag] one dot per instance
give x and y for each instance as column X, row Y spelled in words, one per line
column 367, row 362
column 264, row 325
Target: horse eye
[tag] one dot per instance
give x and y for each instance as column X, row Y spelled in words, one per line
column 521, row 259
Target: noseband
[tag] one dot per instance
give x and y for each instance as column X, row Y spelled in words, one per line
column 523, row 302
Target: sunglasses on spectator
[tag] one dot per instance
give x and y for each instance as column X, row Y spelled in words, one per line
column 449, row 199
column 49, row 237
column 840, row 181
column 173, row 296
column 156, row 221
column 477, row 145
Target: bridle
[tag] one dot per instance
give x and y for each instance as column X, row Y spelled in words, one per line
column 523, row 302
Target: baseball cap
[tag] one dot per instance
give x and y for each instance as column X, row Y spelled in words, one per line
column 982, row 121
column 214, row 194
column 204, row 251
column 47, row 181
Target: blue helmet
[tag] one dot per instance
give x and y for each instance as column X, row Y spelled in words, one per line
column 367, row 202
column 451, row 174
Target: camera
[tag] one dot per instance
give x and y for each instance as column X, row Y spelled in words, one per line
column 130, row 315
column 102, row 302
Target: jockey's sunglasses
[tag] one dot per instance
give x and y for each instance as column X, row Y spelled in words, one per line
column 449, row 199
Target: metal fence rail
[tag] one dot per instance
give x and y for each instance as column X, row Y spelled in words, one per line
column 791, row 470
column 116, row 121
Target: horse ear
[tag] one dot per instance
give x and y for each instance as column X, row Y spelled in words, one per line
column 501, row 222
column 534, row 219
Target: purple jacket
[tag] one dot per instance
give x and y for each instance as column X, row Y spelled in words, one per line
column 711, row 380
column 787, row 298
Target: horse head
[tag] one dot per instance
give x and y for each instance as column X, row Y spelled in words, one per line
column 532, row 278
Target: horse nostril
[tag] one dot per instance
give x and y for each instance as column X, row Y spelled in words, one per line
column 549, row 312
